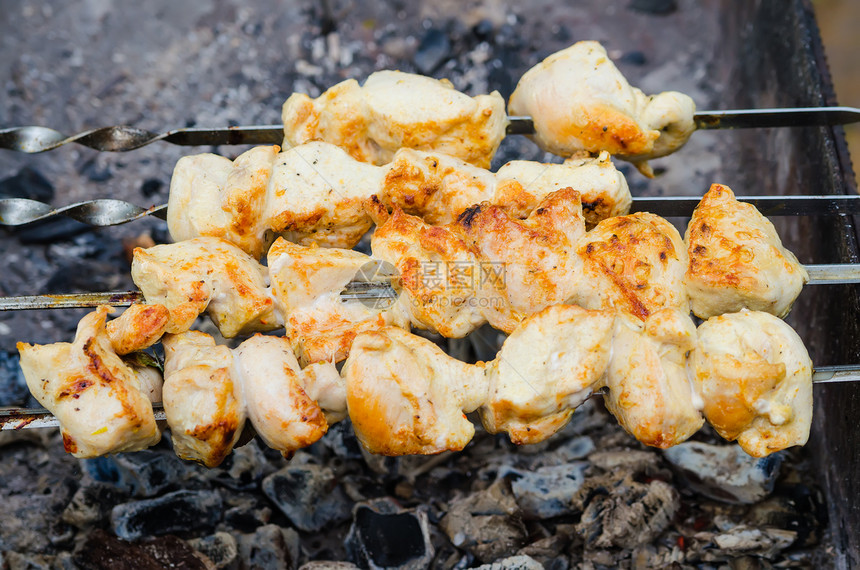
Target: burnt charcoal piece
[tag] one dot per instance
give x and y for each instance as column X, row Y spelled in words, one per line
column 91, row 505
column 172, row 552
column 309, row 495
column 13, row 386
column 487, row 523
column 28, row 183
column 270, row 547
column 51, row 230
column 634, row 58
column 220, row 548
column 793, row 507
column 656, row 7
column 151, row 187
column 622, row 513
column 175, row 512
column 547, row 491
column 383, row 535
column 724, row 472
column 103, row 551
column 483, row 30
column 246, row 513
column 84, row 275
column 94, row 172
column 141, row 474
column 519, row 562
column 434, row 49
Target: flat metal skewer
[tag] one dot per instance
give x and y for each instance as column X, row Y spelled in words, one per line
column 108, row 212
column 118, row 138
column 835, row 274
column 30, row 418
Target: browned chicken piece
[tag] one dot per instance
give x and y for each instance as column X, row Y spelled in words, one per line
column 97, row 399
column 317, row 194
column 649, row 391
column 755, row 378
column 531, row 260
column 206, row 274
column 307, row 282
column 633, row 263
column 213, row 196
column 272, row 386
column 434, row 186
column 438, row 273
column 406, row 396
column 201, row 401
column 394, row 110
column 522, row 184
column 138, row 327
column 579, row 101
column 737, row 260
column 547, row 367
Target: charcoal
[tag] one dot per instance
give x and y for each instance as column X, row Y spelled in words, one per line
column 270, row 547
column 245, row 513
column 103, row 551
column 626, row 460
column 91, row 504
column 519, row 562
column 51, row 230
column 13, row 386
column 483, row 30
column 221, row 548
column 574, row 448
column 83, row 275
column 27, row 561
column 172, row 552
column 309, row 495
column 623, row 513
column 328, row 565
column 434, row 49
column 548, row 551
column 383, row 535
column 547, row 491
column 30, row 522
column 635, row 57
column 151, row 187
column 655, row 7
column 724, row 472
column 341, row 441
column 244, row 468
column 743, row 540
column 796, row 510
column 141, row 474
column 179, row 511
column 28, row 183
column 486, row 523
column 95, row 172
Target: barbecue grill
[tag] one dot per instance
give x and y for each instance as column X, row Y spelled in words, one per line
column 756, row 55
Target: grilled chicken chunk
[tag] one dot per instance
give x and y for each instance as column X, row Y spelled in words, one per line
column 206, row 274
column 274, row 394
column 755, row 378
column 438, row 274
column 307, row 282
column 649, row 391
column 317, row 194
column 737, row 260
column 523, row 184
column 212, row 196
column 99, row 401
column 138, row 327
column 531, row 261
column 545, row 369
column 406, row 396
column 633, row 263
column 202, row 403
column 396, row 110
column 579, row 101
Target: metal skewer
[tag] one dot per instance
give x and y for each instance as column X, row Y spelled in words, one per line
column 32, row 139
column 835, row 274
column 29, row 418
column 108, row 212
